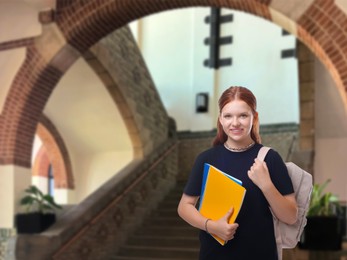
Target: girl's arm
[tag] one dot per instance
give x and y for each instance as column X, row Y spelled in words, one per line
column 187, row 211
column 284, row 207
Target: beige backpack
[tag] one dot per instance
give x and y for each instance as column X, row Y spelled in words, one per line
column 287, row 236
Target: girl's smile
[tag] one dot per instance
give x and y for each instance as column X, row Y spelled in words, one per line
column 236, row 119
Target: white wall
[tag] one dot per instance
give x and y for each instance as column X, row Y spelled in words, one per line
column 41, row 183
column 10, row 62
column 18, row 20
column 257, row 64
column 14, row 180
column 167, row 41
column 173, row 46
column 330, row 133
column 95, row 169
column 92, row 128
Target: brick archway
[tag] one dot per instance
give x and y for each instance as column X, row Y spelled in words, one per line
column 53, row 152
column 41, row 163
column 319, row 24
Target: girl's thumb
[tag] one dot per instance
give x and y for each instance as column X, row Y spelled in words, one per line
column 228, row 214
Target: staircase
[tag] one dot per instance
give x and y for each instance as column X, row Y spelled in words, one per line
column 163, row 236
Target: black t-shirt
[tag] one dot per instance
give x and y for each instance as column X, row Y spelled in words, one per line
column 254, row 238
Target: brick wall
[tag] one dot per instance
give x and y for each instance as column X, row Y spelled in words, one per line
column 57, row 153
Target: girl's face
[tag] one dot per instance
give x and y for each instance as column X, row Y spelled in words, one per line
column 236, row 119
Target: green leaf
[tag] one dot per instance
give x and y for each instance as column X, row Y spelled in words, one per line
column 36, row 200
column 323, row 203
column 27, row 200
column 50, row 200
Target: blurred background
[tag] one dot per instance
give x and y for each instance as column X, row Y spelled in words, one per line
column 105, row 104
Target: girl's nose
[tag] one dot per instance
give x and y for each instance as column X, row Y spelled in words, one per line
column 235, row 121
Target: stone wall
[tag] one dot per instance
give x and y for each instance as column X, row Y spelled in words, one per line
column 7, row 240
column 118, row 62
column 307, row 99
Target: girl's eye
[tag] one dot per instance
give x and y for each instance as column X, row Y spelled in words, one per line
column 244, row 116
column 227, row 116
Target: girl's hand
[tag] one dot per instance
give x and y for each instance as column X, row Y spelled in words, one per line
column 222, row 228
column 259, row 174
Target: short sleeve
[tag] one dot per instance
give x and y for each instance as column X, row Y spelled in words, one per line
column 279, row 173
column 193, row 186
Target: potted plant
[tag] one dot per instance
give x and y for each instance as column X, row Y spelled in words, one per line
column 323, row 230
column 39, row 211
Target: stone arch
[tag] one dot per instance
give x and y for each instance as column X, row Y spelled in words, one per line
column 116, row 94
column 319, row 24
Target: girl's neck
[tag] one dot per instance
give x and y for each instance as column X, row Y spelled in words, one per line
column 235, row 147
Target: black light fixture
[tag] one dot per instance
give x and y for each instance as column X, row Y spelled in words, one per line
column 215, row 40
column 201, row 102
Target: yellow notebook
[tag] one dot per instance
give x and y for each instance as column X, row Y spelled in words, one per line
column 219, row 193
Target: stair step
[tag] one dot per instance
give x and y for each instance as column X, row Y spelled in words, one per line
column 166, row 212
column 163, row 234
column 175, row 194
column 173, row 252
column 170, row 221
column 172, row 204
column 168, row 231
column 165, row 241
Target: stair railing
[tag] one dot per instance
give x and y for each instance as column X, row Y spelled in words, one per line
column 99, row 225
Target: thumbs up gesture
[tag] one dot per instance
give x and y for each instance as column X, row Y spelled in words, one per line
column 222, row 228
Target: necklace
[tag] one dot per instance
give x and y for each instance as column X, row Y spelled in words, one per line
column 242, row 149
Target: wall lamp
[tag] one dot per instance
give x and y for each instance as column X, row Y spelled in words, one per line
column 201, row 102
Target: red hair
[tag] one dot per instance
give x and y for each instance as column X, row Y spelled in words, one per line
column 243, row 94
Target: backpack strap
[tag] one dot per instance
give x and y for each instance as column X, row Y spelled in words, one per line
column 263, row 152
column 277, row 230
